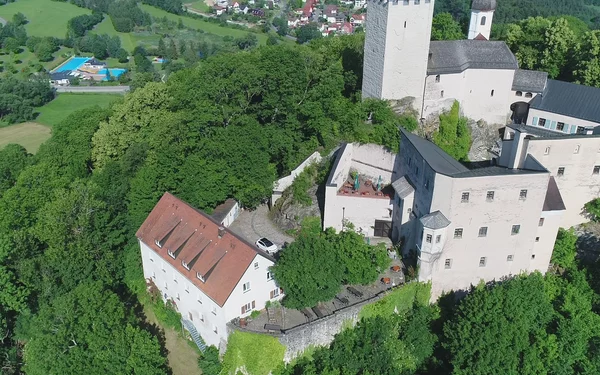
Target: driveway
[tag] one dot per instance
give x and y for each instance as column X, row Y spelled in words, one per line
column 255, row 224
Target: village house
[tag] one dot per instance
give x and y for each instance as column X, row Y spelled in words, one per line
column 331, row 13
column 357, row 19
column 360, row 4
column 211, row 275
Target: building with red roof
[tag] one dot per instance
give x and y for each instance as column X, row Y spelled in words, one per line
column 210, row 274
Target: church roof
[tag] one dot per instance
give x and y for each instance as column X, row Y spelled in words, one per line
column 569, row 99
column 529, row 80
column 484, row 5
column 455, row 56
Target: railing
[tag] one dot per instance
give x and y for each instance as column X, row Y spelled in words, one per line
column 189, row 326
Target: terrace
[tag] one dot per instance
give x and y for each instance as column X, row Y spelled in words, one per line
column 359, row 186
column 277, row 319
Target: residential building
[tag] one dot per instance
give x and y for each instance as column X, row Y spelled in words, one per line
column 61, row 78
column 211, row 275
column 360, row 3
column 357, row 19
column 227, row 212
column 400, row 63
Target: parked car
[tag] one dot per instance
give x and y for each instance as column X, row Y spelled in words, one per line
column 266, row 245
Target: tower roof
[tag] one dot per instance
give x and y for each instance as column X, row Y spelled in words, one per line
column 484, row 5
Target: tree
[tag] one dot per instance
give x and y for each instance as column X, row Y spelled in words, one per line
column 171, row 50
column 565, row 249
column 209, row 361
column 162, row 48
column 444, row 27
column 13, row 159
column 272, row 40
column 306, row 33
column 11, row 45
column 44, row 50
column 19, row 19
column 247, row 42
column 454, row 135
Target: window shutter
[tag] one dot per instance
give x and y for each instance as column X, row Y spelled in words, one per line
column 243, row 310
column 535, row 121
column 271, row 295
column 281, row 290
column 553, row 125
column 253, row 304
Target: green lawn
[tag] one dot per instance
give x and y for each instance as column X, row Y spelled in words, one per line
column 26, row 60
column 258, row 354
column 208, row 27
column 128, row 40
column 28, row 134
column 46, row 17
column 398, row 301
column 199, row 6
column 65, row 104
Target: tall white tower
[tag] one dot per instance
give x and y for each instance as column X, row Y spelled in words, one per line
column 397, row 49
column 482, row 12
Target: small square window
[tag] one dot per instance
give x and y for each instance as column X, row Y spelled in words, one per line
column 509, row 258
column 482, row 261
column 269, row 276
column 428, row 238
column 515, row 229
column 537, row 239
column 532, row 256
column 523, row 194
column 561, row 171
column 187, row 288
column 490, row 196
column 442, row 94
column 458, row 232
column 560, row 126
column 153, row 275
column 492, row 93
column 576, row 151
column 464, row 198
column 246, row 287
column 437, row 78
column 580, row 130
column 448, row 263
column 214, row 310
column 483, row 232
column 255, row 265
column 199, row 299
column 541, row 222
column 542, row 122
column 547, row 151
column 596, row 169
column 438, row 238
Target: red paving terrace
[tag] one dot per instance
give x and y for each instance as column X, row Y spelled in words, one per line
column 367, row 188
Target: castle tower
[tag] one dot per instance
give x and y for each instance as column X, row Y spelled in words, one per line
column 482, row 12
column 397, row 49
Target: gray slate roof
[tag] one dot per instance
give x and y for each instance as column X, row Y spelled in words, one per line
column 403, row 187
column 455, row 56
column 221, row 211
column 437, row 159
column 61, row 75
column 541, row 133
column 483, row 5
column 435, row 220
column 494, row 171
column 529, row 81
column 569, row 99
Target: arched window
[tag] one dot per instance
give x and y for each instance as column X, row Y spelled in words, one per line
column 528, row 95
column 492, row 93
column 483, row 19
column 519, row 93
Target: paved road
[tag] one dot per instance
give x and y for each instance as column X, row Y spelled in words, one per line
column 94, row 89
column 255, row 224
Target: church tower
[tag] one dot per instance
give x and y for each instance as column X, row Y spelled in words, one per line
column 482, row 12
column 397, row 49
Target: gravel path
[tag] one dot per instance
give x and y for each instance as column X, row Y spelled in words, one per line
column 255, row 224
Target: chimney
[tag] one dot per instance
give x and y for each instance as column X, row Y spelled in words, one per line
column 221, row 232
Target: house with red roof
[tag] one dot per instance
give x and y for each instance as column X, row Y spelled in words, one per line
column 357, row 19
column 211, row 275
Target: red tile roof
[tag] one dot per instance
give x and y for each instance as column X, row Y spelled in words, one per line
column 192, row 237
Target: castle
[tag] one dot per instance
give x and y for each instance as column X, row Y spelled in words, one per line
column 482, row 75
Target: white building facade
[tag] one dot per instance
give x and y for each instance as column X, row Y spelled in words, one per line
column 482, row 13
column 209, row 274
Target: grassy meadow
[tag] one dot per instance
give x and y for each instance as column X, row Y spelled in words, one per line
column 28, row 134
column 46, row 17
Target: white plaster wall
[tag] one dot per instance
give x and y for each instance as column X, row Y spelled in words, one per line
column 542, row 249
column 499, row 216
column 478, row 103
column 231, row 215
column 340, row 174
column 453, row 86
column 285, row 182
column 396, row 49
column 259, row 292
column 361, row 211
column 193, row 301
column 553, row 118
column 372, row 161
column 578, row 185
column 475, row 26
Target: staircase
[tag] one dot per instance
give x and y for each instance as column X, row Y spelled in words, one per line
column 189, row 326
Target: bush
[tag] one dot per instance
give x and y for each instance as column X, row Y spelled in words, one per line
column 454, row 135
column 592, row 208
column 565, row 249
column 209, row 361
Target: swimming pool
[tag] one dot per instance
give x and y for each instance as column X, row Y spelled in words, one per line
column 114, row 72
column 73, row 64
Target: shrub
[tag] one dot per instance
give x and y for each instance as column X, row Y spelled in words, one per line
column 209, row 361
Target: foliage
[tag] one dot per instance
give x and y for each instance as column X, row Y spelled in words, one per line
column 400, row 299
column 302, row 183
column 592, row 208
column 79, row 25
column 314, row 267
column 308, row 32
column 565, row 249
column 171, row 6
column 209, row 361
column 454, row 135
column 259, row 354
column 444, row 27
column 13, row 159
column 19, row 97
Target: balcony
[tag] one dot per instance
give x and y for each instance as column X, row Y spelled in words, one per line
column 367, row 188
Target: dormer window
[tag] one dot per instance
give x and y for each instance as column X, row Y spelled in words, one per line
column 171, row 254
column 185, row 265
column 199, row 276
column 157, row 242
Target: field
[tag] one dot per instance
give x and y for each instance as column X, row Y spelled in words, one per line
column 208, row 27
column 28, row 134
column 128, row 40
column 65, row 104
column 199, row 6
column 46, row 17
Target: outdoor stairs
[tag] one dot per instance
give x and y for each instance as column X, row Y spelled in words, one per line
column 189, row 326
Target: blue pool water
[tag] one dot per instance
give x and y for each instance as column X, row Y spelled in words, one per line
column 73, row 64
column 114, row 73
